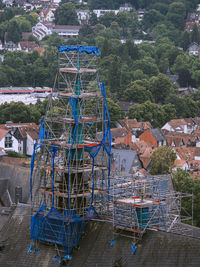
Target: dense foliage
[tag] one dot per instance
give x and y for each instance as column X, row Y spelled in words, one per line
column 185, row 184
column 162, row 160
column 132, row 73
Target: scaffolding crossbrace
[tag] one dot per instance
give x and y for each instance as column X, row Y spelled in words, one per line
column 72, row 156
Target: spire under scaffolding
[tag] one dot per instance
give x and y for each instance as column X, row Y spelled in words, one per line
column 72, row 158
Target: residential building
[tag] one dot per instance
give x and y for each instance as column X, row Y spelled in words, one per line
column 193, row 17
column 155, row 137
column 8, row 141
column 101, row 12
column 47, row 14
column 187, row 125
column 194, row 49
column 140, row 13
column 40, row 30
column 28, row 46
column 181, row 164
column 20, row 136
column 189, row 26
column 83, row 16
column 175, row 139
column 134, row 126
column 10, row 46
column 126, row 7
column 66, row 31
column 121, row 136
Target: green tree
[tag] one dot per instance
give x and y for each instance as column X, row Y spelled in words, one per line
column 182, row 62
column 195, row 35
column 107, row 18
column 137, row 93
column 147, row 111
column 13, row 32
column 93, row 19
column 151, row 18
column 160, row 87
column 176, row 14
column 114, row 110
column 186, row 184
column 65, row 14
column 162, row 160
column 185, row 40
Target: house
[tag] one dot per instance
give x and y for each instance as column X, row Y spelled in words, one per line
column 8, row 141
column 101, row 12
column 40, row 30
column 121, row 136
column 140, row 13
column 28, row 46
column 24, row 134
column 66, row 31
column 193, row 17
column 134, row 126
column 187, row 90
column 140, row 146
column 189, row 26
column 175, row 139
column 126, row 7
column 180, row 164
column 155, row 137
column 194, row 49
column 145, row 158
column 83, row 16
column 47, row 14
column 187, row 125
column 10, row 46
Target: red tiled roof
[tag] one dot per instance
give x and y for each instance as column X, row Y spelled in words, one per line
column 118, row 132
column 179, row 162
column 133, row 124
column 66, row 27
column 3, row 133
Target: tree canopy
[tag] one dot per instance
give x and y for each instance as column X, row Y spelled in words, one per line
column 162, row 160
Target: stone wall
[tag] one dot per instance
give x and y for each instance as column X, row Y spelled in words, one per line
column 16, row 176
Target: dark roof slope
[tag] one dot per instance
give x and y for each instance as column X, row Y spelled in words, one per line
column 156, row 249
column 157, row 134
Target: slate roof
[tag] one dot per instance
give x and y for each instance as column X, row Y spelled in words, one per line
column 156, row 248
column 125, row 160
column 157, row 134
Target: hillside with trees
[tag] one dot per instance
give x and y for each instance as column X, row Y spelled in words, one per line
column 133, row 73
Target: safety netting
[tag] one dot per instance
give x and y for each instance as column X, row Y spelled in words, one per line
column 80, row 49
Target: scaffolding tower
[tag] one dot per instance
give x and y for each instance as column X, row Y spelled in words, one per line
column 72, row 156
column 147, row 203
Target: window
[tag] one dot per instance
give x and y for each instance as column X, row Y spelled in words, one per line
column 8, row 141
